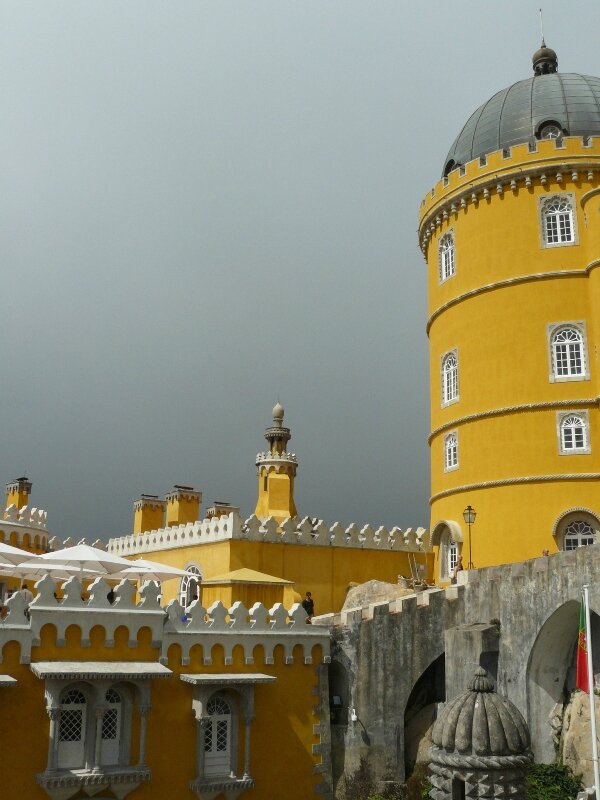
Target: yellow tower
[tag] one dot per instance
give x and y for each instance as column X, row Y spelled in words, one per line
column 17, row 492
column 276, row 472
column 511, row 236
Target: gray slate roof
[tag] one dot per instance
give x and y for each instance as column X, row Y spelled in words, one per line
column 514, row 115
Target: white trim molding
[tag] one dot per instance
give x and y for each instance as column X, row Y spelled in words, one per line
column 469, row 487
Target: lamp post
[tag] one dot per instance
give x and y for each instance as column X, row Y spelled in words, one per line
column 469, row 515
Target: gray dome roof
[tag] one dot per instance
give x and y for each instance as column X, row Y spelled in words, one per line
column 516, row 114
column 480, row 722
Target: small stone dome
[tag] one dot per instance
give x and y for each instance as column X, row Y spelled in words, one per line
column 544, row 54
column 481, row 723
column 278, row 411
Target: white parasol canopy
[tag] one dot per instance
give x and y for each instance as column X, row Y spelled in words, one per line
column 10, row 555
column 83, row 557
column 141, row 568
column 31, row 571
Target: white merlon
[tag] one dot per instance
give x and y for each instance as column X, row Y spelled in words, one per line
column 215, row 626
column 306, row 531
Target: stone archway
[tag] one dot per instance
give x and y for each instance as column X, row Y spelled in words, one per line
column 551, row 675
column 421, row 712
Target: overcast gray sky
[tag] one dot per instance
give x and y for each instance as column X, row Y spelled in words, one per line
column 209, row 206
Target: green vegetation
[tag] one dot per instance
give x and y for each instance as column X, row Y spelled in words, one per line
column 362, row 787
column 552, row 782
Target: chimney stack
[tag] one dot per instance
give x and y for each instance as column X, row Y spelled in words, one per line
column 183, row 505
column 17, row 492
column 148, row 513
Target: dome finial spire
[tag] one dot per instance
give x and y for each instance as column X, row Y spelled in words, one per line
column 542, row 27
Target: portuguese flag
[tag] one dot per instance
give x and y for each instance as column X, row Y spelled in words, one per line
column 583, row 679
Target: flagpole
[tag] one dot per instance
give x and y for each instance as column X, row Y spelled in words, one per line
column 588, row 647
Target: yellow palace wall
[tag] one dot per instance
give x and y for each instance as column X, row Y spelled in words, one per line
column 326, row 572
column 285, row 715
column 495, row 311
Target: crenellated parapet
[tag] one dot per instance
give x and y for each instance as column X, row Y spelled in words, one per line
column 551, row 162
column 215, row 626
column 240, row 626
column 24, row 527
column 306, row 531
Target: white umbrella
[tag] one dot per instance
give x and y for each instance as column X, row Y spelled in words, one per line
column 33, row 571
column 10, row 555
column 141, row 568
column 84, row 557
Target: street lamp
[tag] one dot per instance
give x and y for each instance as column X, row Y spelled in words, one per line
column 469, row 515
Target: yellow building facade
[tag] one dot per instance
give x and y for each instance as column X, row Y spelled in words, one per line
column 511, row 237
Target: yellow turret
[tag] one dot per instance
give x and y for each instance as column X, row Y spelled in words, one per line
column 276, row 471
column 17, row 492
column 512, row 242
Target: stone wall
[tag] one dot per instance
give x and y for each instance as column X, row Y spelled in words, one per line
column 519, row 621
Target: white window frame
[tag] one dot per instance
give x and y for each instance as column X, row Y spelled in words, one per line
column 580, row 534
column 186, row 581
column 553, row 329
column 562, row 418
column 446, row 256
column 451, row 461
column 447, row 398
column 452, row 556
column 543, row 203
column 218, row 762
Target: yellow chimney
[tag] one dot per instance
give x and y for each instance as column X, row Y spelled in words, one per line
column 183, row 505
column 148, row 513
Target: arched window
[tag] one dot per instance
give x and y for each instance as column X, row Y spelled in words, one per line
column 189, row 586
column 217, row 737
column 111, row 729
column 451, row 451
column 557, row 221
column 71, row 731
column 573, row 434
column 568, row 358
column 447, row 257
column 449, row 378
column 578, row 533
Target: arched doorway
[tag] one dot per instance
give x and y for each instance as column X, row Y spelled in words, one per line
column 421, row 711
column 551, row 673
column 190, row 586
column 447, row 538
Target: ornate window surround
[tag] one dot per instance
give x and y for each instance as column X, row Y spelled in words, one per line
column 238, row 691
column 94, row 680
column 450, row 387
column 451, row 461
column 543, row 202
column 561, row 419
column 561, row 527
column 552, row 329
column 446, row 256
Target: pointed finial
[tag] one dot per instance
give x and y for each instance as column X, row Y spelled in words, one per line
column 542, row 27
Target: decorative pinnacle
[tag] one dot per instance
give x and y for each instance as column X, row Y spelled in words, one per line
column 480, row 682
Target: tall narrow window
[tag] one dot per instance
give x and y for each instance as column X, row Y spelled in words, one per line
column 449, row 378
column 71, row 732
column 558, row 225
column 567, row 353
column 189, row 586
column 452, row 557
column 573, row 434
column 451, row 451
column 217, row 737
column 447, row 257
column 111, row 729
